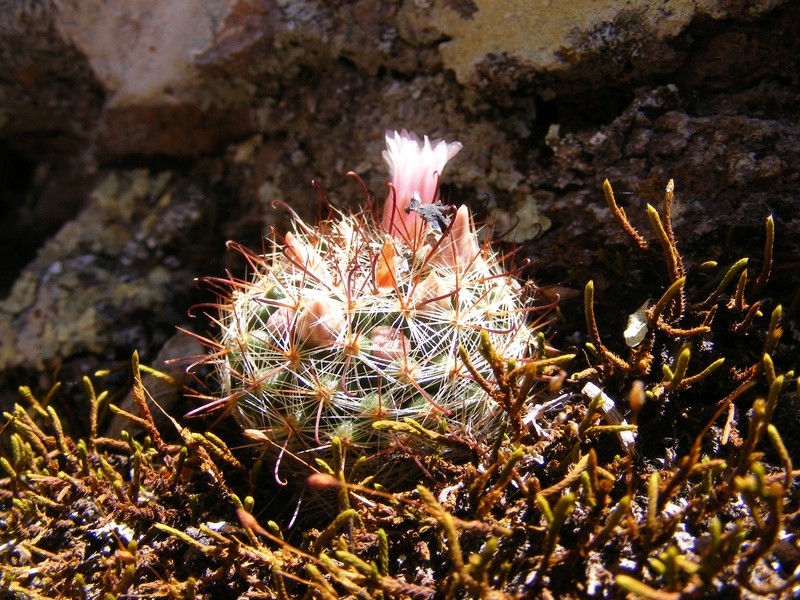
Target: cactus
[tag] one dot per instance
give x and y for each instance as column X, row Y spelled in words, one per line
column 352, row 321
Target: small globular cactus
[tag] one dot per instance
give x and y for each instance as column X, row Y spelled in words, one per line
column 354, row 321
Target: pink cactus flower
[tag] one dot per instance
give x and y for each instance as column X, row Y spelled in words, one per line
column 415, row 167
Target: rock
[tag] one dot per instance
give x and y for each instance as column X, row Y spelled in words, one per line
column 584, row 41
column 109, row 279
column 50, row 98
column 186, row 124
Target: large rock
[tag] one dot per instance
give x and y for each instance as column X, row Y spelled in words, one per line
column 243, row 102
column 112, row 279
column 583, row 41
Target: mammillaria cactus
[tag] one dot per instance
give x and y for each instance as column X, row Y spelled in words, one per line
column 354, row 321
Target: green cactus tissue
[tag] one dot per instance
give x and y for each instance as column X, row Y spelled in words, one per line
column 356, row 320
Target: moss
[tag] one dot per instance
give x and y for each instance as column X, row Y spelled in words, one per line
column 564, row 510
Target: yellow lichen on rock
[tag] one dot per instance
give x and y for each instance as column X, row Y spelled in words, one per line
column 537, row 33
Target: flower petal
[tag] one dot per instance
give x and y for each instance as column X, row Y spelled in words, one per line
column 414, row 166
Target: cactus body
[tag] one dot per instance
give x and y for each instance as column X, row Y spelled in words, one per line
column 343, row 324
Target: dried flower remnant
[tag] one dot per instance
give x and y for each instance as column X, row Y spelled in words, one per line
column 459, row 247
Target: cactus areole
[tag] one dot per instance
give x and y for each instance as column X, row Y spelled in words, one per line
column 354, row 320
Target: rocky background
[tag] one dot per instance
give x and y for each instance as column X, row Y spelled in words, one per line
column 137, row 136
